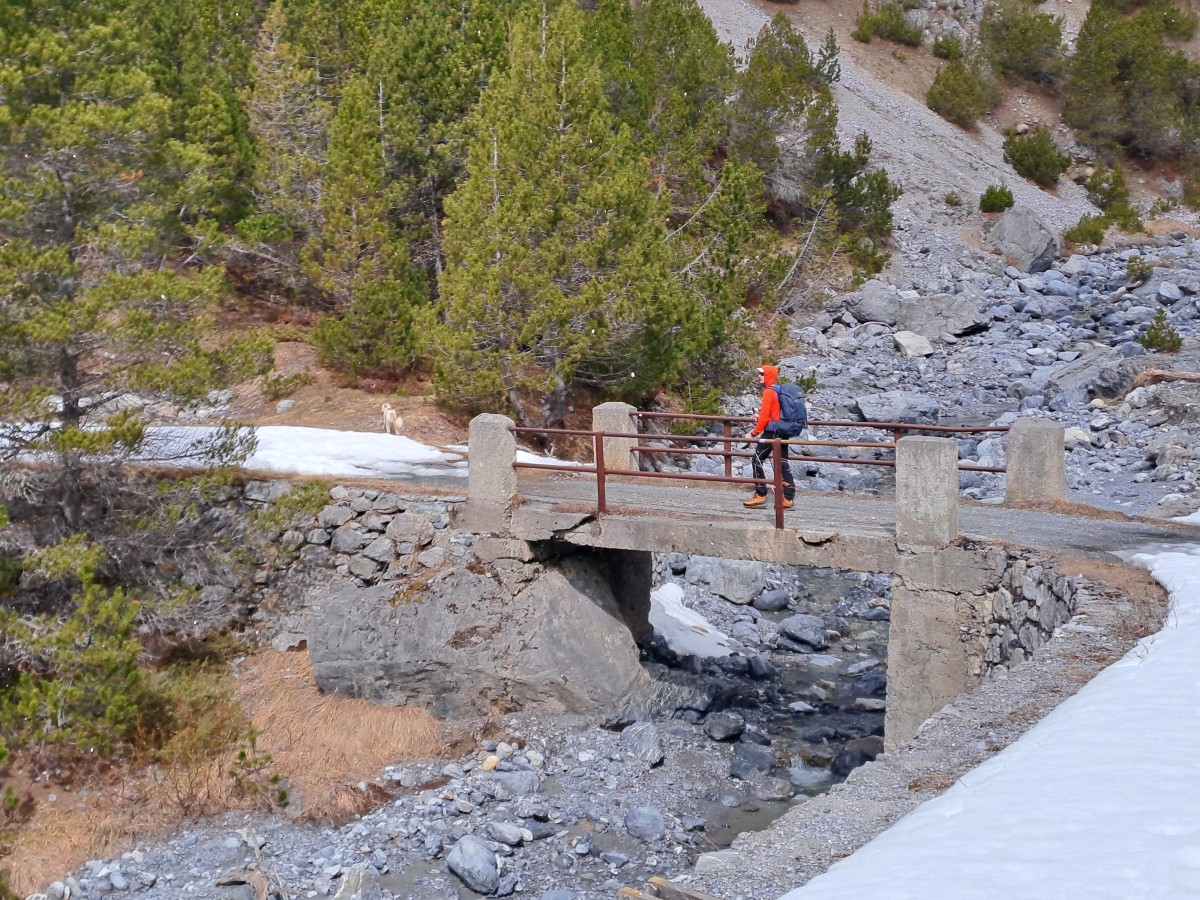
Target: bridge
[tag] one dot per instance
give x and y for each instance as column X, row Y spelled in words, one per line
column 957, row 567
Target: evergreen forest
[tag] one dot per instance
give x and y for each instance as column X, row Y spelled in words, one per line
column 523, row 200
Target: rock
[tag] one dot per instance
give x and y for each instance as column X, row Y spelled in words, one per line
column 359, row 883
column 1075, row 265
column 643, row 741
column 724, row 726
column 876, row 301
column 772, row 789
column 750, row 760
column 808, row 630
column 773, row 600
column 1024, row 240
column 506, row 833
column 855, row 754
column 898, row 406
column 645, row 824
column 911, row 344
column 717, row 860
column 1076, row 437
column 558, row 642
column 347, row 540
column 474, row 864
column 953, row 314
column 520, row 783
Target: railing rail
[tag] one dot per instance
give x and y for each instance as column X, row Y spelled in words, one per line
column 729, row 453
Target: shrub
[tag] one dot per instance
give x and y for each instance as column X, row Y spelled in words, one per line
column 1088, row 230
column 1035, row 155
column 952, row 199
column 1021, row 43
column 1138, row 270
column 959, row 93
column 1161, row 337
column 1106, row 188
column 948, row 46
column 996, row 198
column 887, row 21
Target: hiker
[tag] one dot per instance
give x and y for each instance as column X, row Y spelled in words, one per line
column 768, row 427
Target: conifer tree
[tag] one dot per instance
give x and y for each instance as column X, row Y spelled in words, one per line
column 88, row 310
column 358, row 259
column 557, row 270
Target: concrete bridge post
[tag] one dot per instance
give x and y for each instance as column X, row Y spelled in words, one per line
column 1037, row 467
column 618, row 452
column 491, row 478
column 926, row 492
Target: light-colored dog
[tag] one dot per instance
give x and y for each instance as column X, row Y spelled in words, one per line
column 392, row 422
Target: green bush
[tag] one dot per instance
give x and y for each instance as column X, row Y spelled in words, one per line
column 1022, row 43
column 886, row 21
column 996, row 198
column 1088, row 230
column 1161, row 337
column 948, row 46
column 1106, row 188
column 959, row 93
column 1035, row 155
column 1138, row 270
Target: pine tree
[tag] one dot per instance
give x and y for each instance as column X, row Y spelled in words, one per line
column 358, row 259
column 90, row 312
column 557, row 270
column 289, row 119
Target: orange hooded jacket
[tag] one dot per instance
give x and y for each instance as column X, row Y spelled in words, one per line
column 769, row 413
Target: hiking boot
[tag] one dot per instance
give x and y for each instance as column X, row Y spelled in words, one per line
column 756, row 501
column 788, row 504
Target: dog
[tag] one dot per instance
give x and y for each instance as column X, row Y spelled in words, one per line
column 392, row 422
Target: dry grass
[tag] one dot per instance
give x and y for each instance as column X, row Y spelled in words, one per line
column 326, row 752
column 1141, row 601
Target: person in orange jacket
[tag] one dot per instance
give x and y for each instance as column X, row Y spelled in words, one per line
column 769, row 414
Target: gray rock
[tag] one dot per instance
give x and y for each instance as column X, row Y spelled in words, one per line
column 898, row 406
column 1024, row 240
column 382, row 550
column 519, row 783
column 855, row 754
column 347, row 540
column 910, row 344
column 643, row 741
column 876, row 301
column 724, row 726
column 953, row 314
column 809, row 630
column 645, row 824
column 773, row 600
column 334, row 516
column 359, row 883
column 505, row 833
column 750, row 760
column 474, row 864
column 768, row 788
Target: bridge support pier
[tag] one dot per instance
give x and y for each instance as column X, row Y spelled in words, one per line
column 618, row 452
column 1037, row 467
column 491, row 478
column 926, row 492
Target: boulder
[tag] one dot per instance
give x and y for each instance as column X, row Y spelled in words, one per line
column 855, row 753
column 360, row 883
column 645, row 824
column 475, row 865
column 898, row 406
column 876, row 301
column 911, row 344
column 954, row 314
column 809, row 630
column 1024, row 240
column 559, row 642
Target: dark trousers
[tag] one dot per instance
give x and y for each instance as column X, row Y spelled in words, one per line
column 763, row 452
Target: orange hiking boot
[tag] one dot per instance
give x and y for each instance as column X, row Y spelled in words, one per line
column 788, row 504
column 756, row 501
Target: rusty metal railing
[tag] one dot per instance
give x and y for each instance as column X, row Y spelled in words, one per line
column 728, row 452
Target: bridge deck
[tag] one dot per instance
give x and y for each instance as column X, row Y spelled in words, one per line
column 1083, row 530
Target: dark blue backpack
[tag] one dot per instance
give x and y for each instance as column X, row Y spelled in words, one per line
column 793, row 414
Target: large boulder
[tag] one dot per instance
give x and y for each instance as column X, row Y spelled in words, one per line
column 555, row 639
column 876, row 301
column 1024, row 240
column 956, row 314
column 898, row 406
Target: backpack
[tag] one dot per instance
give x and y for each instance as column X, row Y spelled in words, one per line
column 793, row 414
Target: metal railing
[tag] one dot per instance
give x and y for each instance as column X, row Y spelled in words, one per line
column 729, row 453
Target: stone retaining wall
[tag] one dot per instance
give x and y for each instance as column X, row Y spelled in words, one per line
column 1032, row 601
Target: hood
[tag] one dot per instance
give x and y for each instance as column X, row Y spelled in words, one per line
column 770, row 375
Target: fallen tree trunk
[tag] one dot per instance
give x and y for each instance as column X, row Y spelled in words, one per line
column 1155, row 376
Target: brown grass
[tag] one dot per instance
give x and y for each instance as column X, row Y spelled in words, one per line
column 1142, row 602
column 325, row 750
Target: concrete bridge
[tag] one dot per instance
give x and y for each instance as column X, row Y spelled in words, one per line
column 958, row 570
